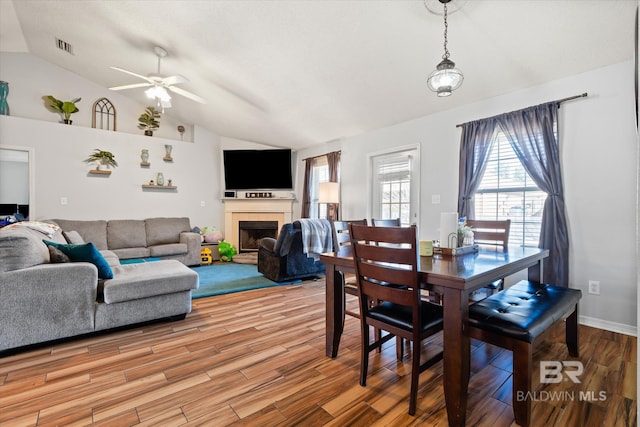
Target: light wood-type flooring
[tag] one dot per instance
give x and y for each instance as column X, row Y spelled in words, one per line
column 258, row 359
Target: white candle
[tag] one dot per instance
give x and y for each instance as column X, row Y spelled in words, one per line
column 448, row 225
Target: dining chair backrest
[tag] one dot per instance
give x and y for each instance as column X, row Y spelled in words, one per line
column 386, row 264
column 340, row 231
column 489, row 232
column 391, row 222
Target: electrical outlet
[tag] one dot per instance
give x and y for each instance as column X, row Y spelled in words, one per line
column 594, row 287
column 64, row 201
column 202, row 203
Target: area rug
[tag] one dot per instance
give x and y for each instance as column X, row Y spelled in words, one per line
column 226, row 278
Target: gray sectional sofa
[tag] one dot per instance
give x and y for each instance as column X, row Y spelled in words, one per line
column 44, row 298
column 165, row 238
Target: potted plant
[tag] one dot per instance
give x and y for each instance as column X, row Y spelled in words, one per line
column 66, row 108
column 102, row 158
column 149, row 120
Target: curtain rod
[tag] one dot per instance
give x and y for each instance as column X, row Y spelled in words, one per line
column 559, row 101
column 319, row 155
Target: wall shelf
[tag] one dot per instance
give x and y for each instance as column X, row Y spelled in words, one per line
column 160, row 187
column 99, row 172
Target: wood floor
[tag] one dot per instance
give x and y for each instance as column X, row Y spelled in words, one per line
column 257, row 358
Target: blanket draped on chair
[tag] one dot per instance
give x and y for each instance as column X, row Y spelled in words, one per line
column 316, row 236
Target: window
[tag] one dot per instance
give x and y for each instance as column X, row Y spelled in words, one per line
column 319, row 173
column 394, row 186
column 508, row 192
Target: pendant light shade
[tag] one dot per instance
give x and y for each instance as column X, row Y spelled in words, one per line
column 446, row 78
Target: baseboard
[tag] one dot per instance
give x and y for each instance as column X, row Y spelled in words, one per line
column 608, row 326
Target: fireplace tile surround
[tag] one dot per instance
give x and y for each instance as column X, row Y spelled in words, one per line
column 279, row 210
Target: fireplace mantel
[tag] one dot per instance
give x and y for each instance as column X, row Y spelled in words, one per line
column 250, row 209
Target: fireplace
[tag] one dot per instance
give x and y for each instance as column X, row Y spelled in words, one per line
column 274, row 209
column 250, row 233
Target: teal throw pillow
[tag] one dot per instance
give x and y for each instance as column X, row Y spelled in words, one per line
column 85, row 253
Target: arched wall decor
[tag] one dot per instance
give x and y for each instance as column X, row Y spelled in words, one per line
column 104, row 115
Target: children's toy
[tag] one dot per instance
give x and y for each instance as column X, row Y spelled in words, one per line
column 227, row 251
column 205, row 256
column 211, row 234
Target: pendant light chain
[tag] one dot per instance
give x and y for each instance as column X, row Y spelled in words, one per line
column 446, row 27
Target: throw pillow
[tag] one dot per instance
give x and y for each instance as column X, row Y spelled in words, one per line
column 73, row 237
column 57, row 256
column 85, row 253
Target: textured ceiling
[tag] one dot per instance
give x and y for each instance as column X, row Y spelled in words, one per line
column 300, row 73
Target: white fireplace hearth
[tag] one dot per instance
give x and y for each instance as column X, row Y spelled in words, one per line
column 258, row 209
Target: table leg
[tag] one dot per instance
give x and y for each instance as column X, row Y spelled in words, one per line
column 535, row 273
column 334, row 309
column 457, row 347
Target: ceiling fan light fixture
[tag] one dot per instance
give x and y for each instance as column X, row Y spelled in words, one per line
column 157, row 92
column 446, row 77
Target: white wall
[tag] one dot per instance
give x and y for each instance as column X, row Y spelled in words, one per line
column 598, row 147
column 59, row 151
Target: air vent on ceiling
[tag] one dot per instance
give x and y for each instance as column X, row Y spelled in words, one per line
column 63, row 45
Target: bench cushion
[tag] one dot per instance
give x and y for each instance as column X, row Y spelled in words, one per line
column 523, row 311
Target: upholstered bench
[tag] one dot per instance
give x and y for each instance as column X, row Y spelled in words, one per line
column 516, row 319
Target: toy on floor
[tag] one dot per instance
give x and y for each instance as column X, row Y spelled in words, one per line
column 227, row 251
column 205, row 256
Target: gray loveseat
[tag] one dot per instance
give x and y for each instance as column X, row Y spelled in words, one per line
column 42, row 301
column 165, row 238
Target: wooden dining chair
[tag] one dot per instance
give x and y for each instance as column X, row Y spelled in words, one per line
column 387, row 270
column 342, row 242
column 492, row 233
column 391, row 222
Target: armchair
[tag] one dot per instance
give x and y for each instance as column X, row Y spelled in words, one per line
column 283, row 259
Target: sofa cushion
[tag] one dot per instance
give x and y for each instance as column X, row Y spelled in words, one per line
column 148, row 279
column 85, row 253
column 128, row 253
column 21, row 248
column 73, row 237
column 91, row 231
column 161, row 231
column 126, row 233
column 168, row 250
column 57, row 256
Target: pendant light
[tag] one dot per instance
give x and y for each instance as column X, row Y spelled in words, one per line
column 446, row 77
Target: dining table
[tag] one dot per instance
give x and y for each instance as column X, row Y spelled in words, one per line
column 454, row 277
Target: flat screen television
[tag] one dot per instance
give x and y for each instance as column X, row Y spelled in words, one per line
column 257, row 169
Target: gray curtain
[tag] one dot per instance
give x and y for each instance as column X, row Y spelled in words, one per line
column 477, row 139
column 306, row 194
column 532, row 134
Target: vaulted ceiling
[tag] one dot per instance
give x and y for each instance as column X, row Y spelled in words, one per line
column 302, row 72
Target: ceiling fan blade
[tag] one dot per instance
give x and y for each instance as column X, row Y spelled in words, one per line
column 187, row 94
column 174, row 80
column 131, row 86
column 122, row 70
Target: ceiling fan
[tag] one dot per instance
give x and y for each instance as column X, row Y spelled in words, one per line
column 158, row 85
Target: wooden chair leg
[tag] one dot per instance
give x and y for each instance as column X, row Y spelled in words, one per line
column 415, row 374
column 571, row 331
column 364, row 355
column 522, row 372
